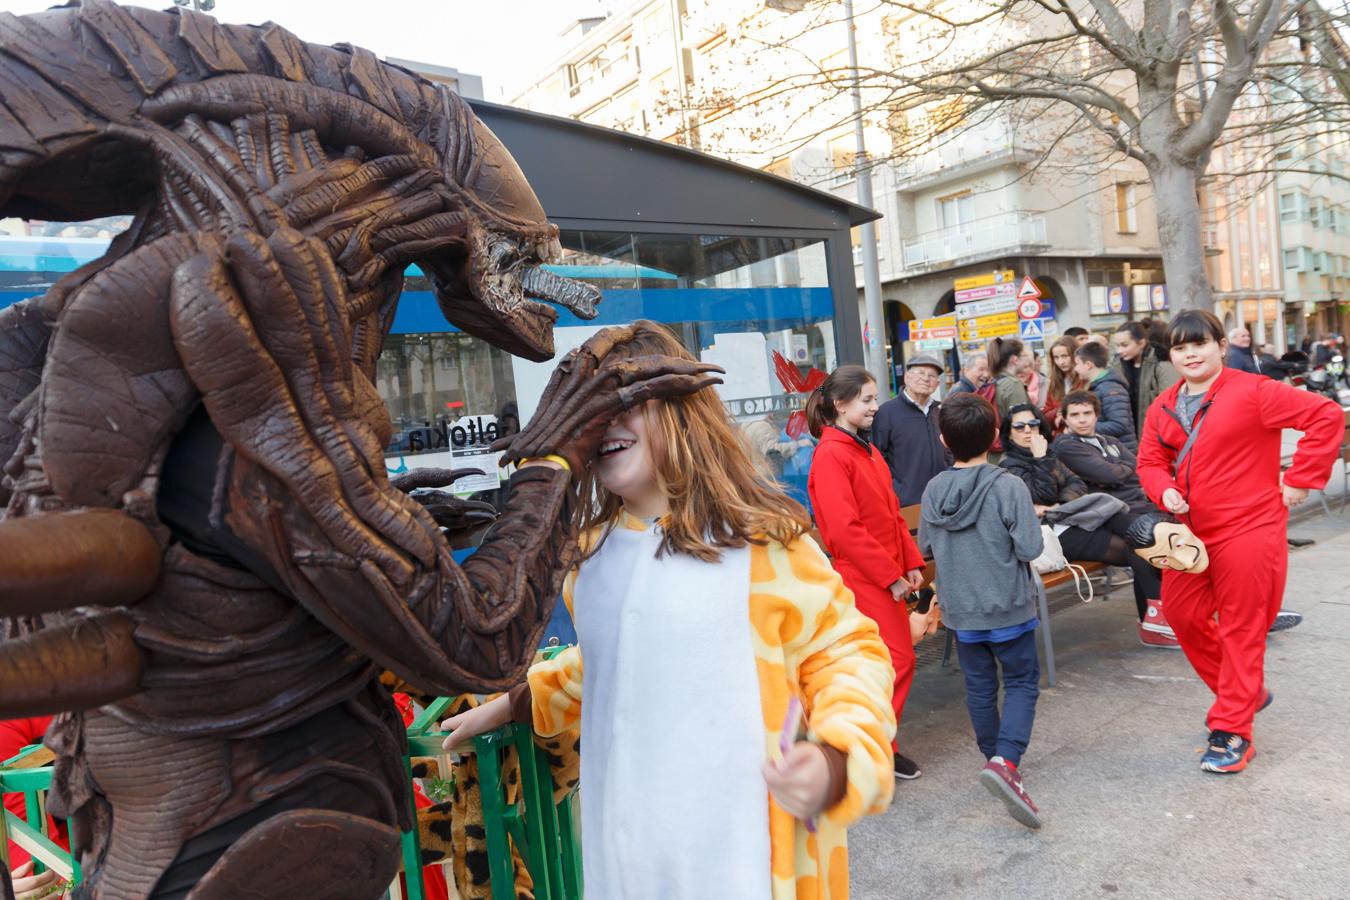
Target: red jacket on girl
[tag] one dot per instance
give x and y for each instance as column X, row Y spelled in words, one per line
column 859, row 518
column 858, row 514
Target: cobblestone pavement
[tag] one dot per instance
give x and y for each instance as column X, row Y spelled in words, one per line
column 1114, row 766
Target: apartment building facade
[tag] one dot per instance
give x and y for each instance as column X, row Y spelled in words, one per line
column 760, row 83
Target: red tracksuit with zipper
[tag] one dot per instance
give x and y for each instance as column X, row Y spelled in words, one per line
column 1231, row 480
column 869, row 544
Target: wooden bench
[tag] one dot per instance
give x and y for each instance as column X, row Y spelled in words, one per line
column 1048, row 581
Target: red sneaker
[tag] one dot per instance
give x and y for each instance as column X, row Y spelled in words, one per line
column 1165, row 639
column 1005, row 782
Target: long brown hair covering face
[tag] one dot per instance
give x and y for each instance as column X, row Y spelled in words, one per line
column 1056, row 393
column 840, row 386
column 717, row 497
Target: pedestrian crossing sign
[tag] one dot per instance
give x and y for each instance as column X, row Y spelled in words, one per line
column 1031, row 330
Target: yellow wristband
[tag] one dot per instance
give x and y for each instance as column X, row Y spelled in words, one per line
column 552, row 457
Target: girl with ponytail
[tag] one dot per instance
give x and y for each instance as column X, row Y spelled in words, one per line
column 859, row 518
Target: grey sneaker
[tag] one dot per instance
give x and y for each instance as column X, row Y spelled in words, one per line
column 1284, row 620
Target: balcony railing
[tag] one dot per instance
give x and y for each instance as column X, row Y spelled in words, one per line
column 1017, row 231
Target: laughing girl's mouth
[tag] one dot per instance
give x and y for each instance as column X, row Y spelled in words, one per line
column 609, row 448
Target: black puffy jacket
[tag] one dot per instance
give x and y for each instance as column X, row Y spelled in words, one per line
column 1117, row 418
column 1048, row 479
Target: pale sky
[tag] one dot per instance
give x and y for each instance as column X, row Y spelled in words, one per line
column 509, row 43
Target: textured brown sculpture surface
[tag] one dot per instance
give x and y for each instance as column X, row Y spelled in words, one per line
column 203, row 563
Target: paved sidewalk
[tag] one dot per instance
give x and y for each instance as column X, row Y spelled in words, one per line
column 1114, row 766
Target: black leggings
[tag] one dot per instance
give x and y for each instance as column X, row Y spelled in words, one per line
column 1107, row 545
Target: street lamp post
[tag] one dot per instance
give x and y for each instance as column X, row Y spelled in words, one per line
column 875, row 324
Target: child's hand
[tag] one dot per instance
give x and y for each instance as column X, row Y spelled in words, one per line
column 469, row 724
column 915, row 579
column 1175, row 503
column 800, row 780
column 28, row 886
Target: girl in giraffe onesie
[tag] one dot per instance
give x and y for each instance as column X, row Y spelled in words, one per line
column 1210, row 454
column 707, row 618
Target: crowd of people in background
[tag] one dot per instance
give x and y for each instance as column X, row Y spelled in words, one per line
column 1077, row 428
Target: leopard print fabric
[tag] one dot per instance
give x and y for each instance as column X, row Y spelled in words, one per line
column 452, row 830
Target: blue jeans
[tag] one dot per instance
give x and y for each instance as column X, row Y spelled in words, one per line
column 1006, row 735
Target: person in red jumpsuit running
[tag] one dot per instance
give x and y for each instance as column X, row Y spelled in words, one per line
column 854, row 504
column 1210, row 455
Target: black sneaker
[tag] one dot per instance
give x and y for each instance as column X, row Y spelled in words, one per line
column 905, row 768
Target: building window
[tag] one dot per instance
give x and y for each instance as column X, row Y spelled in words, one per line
column 958, row 209
column 1293, row 206
column 1315, row 212
column 1293, row 259
column 1126, row 219
column 1319, row 261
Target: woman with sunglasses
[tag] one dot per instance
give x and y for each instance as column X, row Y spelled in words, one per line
column 1026, row 442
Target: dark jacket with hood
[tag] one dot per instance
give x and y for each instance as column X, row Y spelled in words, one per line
column 1048, row 479
column 1155, row 375
column 1243, row 359
column 1117, row 419
column 911, row 444
column 981, row 530
column 1104, row 464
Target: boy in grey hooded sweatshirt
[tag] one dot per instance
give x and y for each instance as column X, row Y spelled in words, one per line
column 980, row 528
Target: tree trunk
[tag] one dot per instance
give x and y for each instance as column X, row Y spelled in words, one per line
column 1180, row 235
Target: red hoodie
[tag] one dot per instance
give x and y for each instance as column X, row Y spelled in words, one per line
column 1231, row 477
column 859, row 518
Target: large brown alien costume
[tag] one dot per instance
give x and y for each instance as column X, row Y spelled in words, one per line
column 203, row 564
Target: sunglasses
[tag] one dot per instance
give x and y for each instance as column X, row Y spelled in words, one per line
column 1023, row 426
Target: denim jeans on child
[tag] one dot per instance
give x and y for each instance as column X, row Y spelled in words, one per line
column 1006, row 735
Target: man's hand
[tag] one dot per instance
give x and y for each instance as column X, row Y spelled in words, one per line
column 1041, row 509
column 471, row 723
column 800, row 780
column 1293, row 496
column 1177, row 505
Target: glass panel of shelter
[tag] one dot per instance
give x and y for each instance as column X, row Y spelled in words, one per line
column 736, row 300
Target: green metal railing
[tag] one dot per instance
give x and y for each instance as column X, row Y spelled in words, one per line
column 545, row 833
column 31, row 834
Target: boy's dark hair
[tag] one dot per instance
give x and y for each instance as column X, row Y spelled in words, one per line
column 967, row 422
column 1194, row 326
column 1075, row 331
column 1083, row 398
column 1094, row 353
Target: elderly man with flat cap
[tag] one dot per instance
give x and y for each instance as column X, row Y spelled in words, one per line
column 905, row 430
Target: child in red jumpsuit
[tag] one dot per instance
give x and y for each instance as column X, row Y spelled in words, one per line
column 854, row 504
column 1210, row 454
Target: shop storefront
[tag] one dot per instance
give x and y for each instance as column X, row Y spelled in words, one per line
column 752, row 272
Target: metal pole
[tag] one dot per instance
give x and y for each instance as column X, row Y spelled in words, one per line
column 874, row 324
